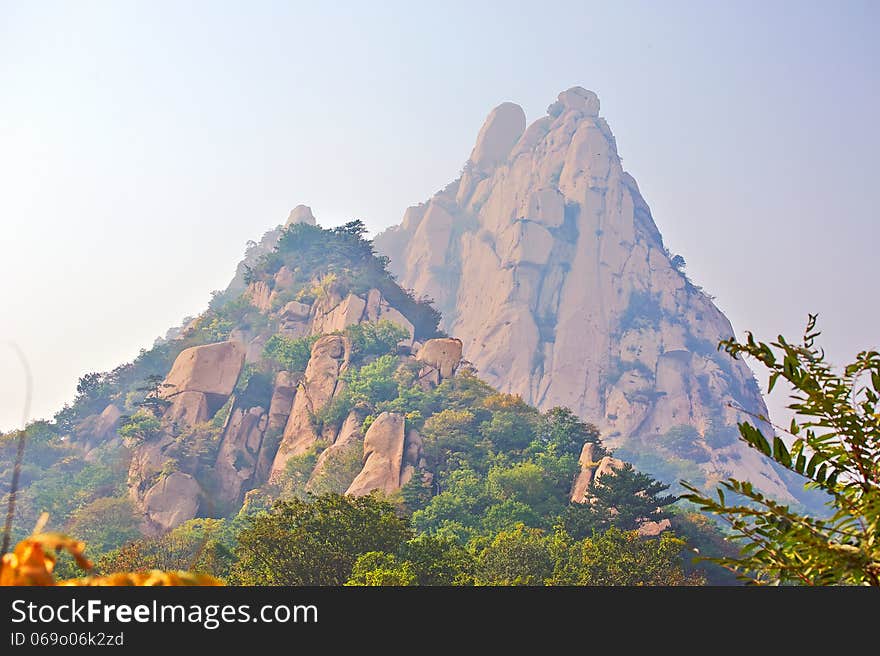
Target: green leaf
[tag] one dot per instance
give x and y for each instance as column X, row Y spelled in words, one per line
column 780, row 452
column 754, row 437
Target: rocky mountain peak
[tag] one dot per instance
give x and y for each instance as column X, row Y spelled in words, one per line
column 578, row 99
column 545, row 261
column 301, row 214
column 500, row 132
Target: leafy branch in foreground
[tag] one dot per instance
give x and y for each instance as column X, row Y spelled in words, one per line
column 836, row 431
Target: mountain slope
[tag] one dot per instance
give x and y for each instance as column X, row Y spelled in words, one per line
column 545, row 261
column 316, row 373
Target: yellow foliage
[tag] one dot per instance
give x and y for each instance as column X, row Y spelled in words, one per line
column 33, row 561
column 502, row 401
column 153, row 577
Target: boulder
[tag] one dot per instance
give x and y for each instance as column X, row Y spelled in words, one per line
column 252, row 344
column 580, row 99
column 653, row 529
column 211, row 369
column 295, row 311
column 237, row 457
column 606, row 467
column 301, row 214
column 260, row 295
column 378, row 309
column 187, row 409
column 170, row 502
column 412, row 456
column 147, row 460
column 502, row 129
column 443, row 353
column 282, row 399
column 328, row 359
column 349, row 437
column 383, row 456
column 388, row 313
column 284, row 279
column 97, row 429
column 348, row 312
column 585, row 475
column 590, row 472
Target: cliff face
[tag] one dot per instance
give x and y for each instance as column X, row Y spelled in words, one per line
column 545, row 261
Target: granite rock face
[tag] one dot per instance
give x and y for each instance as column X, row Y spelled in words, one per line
column 328, row 360
column 546, row 262
column 383, row 456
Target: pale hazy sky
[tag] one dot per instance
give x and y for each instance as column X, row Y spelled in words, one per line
column 143, row 143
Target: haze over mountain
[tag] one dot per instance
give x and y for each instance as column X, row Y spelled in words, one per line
column 545, row 261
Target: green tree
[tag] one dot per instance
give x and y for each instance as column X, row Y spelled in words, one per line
column 315, row 542
column 200, row 545
column 290, row 354
column 104, row 524
column 836, row 447
column 567, row 433
column 446, row 433
column 377, row 568
column 438, row 560
column 624, row 499
column 685, row 441
column 520, row 556
column 140, row 427
column 374, row 338
column 508, row 431
column 151, row 389
column 618, row 557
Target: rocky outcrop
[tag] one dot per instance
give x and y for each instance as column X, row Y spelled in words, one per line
column 260, row 295
column 384, row 446
column 378, row 309
column 335, row 314
column 500, row 133
column 591, row 471
column 211, row 370
column 442, row 354
column 294, row 318
column 301, row 214
column 253, row 344
column 342, row 315
column 98, row 429
column 170, row 502
column 349, row 437
column 187, row 409
column 653, row 529
column 329, row 358
column 164, row 498
column 238, row 454
column 585, row 476
column 282, row 399
column 412, row 456
column 545, row 261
